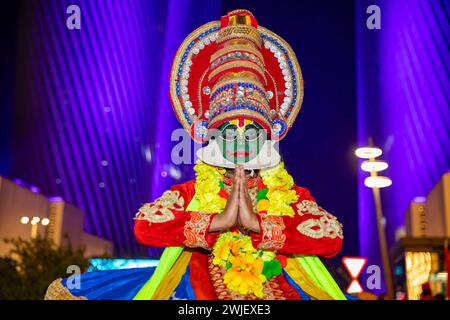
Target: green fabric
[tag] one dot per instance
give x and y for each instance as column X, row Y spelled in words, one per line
column 306, row 266
column 193, row 205
column 320, row 275
column 167, row 260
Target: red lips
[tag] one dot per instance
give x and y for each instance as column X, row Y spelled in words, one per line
column 240, row 154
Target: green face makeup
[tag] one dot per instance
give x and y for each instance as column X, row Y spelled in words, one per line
column 240, row 142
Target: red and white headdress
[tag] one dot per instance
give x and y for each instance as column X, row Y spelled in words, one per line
column 235, row 69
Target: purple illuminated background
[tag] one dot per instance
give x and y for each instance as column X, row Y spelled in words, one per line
column 403, row 103
column 90, row 104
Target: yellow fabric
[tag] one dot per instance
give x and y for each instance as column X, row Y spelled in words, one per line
column 173, row 278
column 168, row 258
column 320, row 275
column 300, row 276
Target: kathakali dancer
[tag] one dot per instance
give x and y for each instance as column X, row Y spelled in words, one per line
column 242, row 229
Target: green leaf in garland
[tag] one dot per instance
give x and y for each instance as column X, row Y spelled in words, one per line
column 271, row 269
column 221, row 185
column 262, row 194
column 276, row 268
column 194, row 205
column 229, row 265
column 267, row 272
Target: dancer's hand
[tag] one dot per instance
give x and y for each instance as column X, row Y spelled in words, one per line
column 247, row 217
column 228, row 218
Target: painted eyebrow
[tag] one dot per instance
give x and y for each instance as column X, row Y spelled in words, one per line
column 252, row 126
column 230, row 126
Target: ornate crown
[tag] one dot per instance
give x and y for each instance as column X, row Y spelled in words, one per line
column 235, row 69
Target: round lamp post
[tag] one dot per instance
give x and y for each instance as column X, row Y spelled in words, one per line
column 376, row 182
column 34, row 224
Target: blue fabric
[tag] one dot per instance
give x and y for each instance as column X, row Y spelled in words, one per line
column 124, row 285
column 302, row 293
column 121, row 284
column 350, row 297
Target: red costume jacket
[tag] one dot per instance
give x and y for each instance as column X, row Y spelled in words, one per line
column 165, row 222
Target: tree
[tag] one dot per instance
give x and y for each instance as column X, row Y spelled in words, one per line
column 33, row 264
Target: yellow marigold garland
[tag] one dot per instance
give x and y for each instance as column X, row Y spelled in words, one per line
column 279, row 195
column 243, row 262
column 247, row 268
column 207, row 187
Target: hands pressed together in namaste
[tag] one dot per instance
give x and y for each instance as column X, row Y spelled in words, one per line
column 239, row 209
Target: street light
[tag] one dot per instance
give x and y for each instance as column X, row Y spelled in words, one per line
column 34, row 224
column 374, row 165
column 24, row 220
column 376, row 182
column 368, row 152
